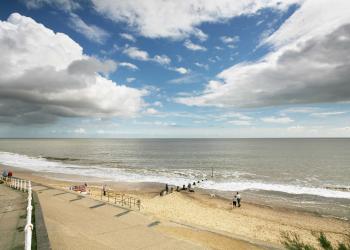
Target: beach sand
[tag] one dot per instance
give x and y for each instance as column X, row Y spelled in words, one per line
column 211, row 221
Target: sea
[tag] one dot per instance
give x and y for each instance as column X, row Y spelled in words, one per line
column 306, row 174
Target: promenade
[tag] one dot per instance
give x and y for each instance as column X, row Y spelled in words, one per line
column 76, row 222
column 12, row 218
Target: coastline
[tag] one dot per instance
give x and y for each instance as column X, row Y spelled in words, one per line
column 256, row 223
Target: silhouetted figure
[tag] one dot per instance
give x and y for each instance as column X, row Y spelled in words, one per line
column 104, row 190
column 177, row 189
column 238, row 196
column 194, row 183
column 183, row 187
column 166, row 188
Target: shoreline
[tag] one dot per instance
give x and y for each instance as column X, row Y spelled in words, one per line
column 252, row 222
column 262, row 198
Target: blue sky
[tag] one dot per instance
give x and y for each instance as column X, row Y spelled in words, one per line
column 174, row 68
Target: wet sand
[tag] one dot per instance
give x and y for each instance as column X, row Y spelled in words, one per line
column 212, row 221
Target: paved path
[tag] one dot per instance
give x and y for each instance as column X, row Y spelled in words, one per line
column 74, row 222
column 12, row 218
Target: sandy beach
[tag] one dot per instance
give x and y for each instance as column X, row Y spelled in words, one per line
column 214, row 217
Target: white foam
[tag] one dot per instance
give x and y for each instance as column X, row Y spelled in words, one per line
column 112, row 174
column 285, row 188
column 163, row 176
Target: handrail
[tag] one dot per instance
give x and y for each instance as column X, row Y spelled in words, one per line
column 24, row 186
column 116, row 198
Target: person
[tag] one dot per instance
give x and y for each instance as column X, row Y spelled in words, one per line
column 238, row 196
column 234, row 201
column 104, row 190
column 166, row 188
column 4, row 173
column 9, row 175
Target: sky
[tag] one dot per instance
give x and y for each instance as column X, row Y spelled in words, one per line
column 174, row 68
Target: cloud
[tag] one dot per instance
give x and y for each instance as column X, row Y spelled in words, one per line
column 66, row 5
column 314, row 70
column 326, row 114
column 229, row 40
column 60, row 81
column 158, row 104
column 128, row 37
column 237, row 115
column 128, row 65
column 195, row 47
column 91, row 32
column 90, row 66
column 151, row 111
column 304, row 24
column 130, row 79
column 179, row 19
column 240, row 122
column 138, row 54
column 181, row 70
column 162, row 59
column 279, row 120
column 187, row 79
column 299, row 110
column 201, row 65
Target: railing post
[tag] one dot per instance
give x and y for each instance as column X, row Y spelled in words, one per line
column 29, row 226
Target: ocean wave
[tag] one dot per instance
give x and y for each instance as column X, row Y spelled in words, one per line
column 161, row 176
column 285, row 188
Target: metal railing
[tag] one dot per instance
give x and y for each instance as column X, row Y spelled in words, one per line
column 24, row 186
column 116, row 198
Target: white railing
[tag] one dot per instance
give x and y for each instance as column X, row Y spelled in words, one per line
column 24, row 186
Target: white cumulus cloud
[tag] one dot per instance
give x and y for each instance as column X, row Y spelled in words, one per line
column 195, row 47
column 46, row 76
column 311, row 66
column 179, row 19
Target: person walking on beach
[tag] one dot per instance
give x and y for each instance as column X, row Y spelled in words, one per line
column 234, row 201
column 166, row 188
column 238, row 196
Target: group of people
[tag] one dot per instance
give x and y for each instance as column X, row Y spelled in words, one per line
column 7, row 173
column 236, row 202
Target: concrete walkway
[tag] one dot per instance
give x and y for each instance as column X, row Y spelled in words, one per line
column 12, row 218
column 75, row 222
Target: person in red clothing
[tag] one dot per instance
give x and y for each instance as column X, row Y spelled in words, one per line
column 9, row 174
